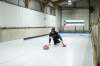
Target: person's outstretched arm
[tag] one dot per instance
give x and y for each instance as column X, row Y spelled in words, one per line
column 61, row 39
column 49, row 39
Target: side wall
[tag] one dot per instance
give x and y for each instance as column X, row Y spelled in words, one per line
column 95, row 18
column 17, row 22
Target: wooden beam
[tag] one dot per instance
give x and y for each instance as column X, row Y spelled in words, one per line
column 59, row 1
column 56, row 3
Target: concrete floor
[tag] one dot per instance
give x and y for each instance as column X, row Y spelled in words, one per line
column 30, row 53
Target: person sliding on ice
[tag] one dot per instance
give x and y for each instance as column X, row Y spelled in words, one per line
column 56, row 37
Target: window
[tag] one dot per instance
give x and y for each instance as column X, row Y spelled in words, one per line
column 74, row 22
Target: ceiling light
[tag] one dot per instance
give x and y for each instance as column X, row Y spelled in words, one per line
column 69, row 1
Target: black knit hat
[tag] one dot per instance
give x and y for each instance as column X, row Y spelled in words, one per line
column 53, row 29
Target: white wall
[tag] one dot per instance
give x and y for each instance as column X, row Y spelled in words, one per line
column 76, row 14
column 58, row 14
column 50, row 20
column 0, row 20
column 14, row 16
column 12, row 34
column 0, row 17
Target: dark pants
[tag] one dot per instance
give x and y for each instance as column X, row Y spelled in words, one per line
column 56, row 41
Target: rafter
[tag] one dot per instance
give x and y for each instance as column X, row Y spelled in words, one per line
column 57, row 2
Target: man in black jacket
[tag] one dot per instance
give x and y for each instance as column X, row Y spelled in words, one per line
column 55, row 36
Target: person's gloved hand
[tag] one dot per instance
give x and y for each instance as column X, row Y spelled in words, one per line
column 63, row 45
column 61, row 41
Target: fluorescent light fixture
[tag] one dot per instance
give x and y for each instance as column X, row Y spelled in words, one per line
column 69, row 1
column 74, row 20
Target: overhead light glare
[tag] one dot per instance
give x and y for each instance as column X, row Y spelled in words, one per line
column 69, row 1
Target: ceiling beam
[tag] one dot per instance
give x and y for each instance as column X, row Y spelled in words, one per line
column 66, row 8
